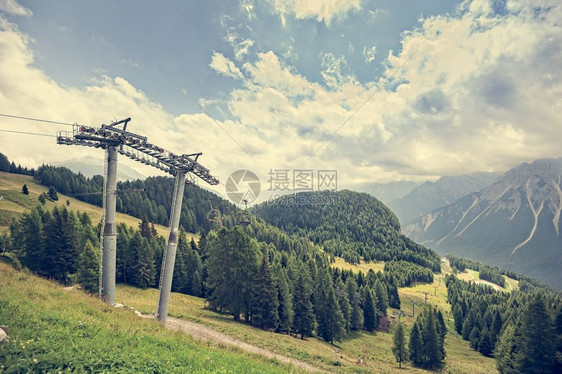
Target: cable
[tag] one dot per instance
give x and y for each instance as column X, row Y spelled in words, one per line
column 358, row 109
column 36, row 119
column 184, row 90
column 28, row 133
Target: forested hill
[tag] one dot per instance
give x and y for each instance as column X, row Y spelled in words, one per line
column 348, row 224
column 155, row 202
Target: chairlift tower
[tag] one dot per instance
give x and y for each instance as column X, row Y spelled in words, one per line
column 183, row 167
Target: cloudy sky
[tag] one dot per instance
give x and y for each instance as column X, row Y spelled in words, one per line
column 378, row 90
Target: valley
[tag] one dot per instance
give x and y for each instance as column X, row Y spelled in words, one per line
column 357, row 351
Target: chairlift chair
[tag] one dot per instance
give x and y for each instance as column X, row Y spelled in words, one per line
column 214, row 215
column 245, row 218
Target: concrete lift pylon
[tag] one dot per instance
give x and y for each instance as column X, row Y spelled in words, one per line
column 120, row 141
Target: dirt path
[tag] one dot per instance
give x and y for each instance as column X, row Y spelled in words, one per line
column 205, row 333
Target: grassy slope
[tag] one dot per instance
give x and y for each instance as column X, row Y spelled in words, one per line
column 473, row 275
column 53, row 329
column 374, row 349
column 362, row 266
column 14, row 203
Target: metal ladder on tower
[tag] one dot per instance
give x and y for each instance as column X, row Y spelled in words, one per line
column 172, row 209
column 102, row 227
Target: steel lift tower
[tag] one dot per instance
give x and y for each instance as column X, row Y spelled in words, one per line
column 116, row 140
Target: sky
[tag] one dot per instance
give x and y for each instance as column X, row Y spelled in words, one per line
column 377, row 90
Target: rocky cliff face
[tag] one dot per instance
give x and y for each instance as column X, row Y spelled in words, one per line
column 514, row 223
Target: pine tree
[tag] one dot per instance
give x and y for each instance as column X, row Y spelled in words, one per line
column 25, row 190
column 179, row 279
column 399, row 346
column 382, row 297
column 356, row 317
column 53, row 194
column 495, row 329
column 264, row 297
column 88, row 268
column 42, row 199
column 369, row 311
column 196, row 283
column 457, row 315
column 416, row 346
column 468, row 324
column 558, row 337
column 507, row 351
column 303, row 320
column 61, row 253
column 32, row 242
column 331, row 324
column 232, row 261
column 123, row 254
column 4, row 163
column 142, row 272
column 536, row 346
column 441, row 331
column 285, row 310
column 194, row 271
column 431, row 347
column 144, row 227
column 485, row 346
column 474, row 338
column 393, row 296
column 343, row 301
column 328, row 313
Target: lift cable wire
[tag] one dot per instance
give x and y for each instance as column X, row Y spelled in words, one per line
column 379, row 88
column 36, row 119
column 28, row 133
column 184, row 90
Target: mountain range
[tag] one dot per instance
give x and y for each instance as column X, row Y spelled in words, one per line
column 513, row 223
column 428, row 196
column 90, row 166
column 387, row 192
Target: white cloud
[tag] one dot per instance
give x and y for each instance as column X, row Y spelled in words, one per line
column 480, row 92
column 241, row 49
column 225, row 66
column 321, row 10
column 249, row 7
column 369, row 54
column 335, row 70
column 13, row 8
column 269, row 72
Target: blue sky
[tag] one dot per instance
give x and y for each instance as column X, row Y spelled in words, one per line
column 75, row 40
column 379, row 90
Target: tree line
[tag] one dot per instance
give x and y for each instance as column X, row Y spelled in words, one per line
column 522, row 330
column 154, row 201
column 489, row 273
column 11, row 167
column 405, row 273
column 494, row 274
